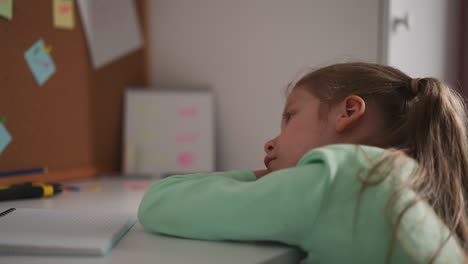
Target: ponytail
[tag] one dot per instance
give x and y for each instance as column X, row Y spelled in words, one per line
column 436, row 136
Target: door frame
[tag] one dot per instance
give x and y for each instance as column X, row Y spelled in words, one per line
column 462, row 52
column 384, row 31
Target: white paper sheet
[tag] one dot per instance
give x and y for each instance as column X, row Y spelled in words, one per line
column 55, row 232
column 111, row 28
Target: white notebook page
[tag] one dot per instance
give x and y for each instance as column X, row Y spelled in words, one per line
column 45, row 231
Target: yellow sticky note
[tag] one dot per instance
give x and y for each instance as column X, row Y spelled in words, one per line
column 6, row 9
column 63, row 14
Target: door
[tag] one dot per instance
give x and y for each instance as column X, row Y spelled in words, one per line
column 420, row 37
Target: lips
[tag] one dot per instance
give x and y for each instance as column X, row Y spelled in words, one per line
column 267, row 161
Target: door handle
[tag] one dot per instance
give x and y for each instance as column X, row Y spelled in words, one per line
column 401, row 21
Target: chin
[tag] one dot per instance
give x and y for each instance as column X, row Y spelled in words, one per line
column 284, row 167
column 275, row 169
column 270, row 169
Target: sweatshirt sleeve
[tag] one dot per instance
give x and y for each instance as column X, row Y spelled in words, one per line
column 224, row 207
column 241, row 175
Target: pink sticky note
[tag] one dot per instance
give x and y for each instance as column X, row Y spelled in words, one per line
column 185, row 159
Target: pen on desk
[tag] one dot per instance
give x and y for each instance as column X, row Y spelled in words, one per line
column 29, row 190
column 22, row 172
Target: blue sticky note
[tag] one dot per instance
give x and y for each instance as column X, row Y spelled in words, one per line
column 40, row 62
column 5, row 138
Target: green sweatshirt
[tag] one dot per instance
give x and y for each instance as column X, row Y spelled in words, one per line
column 319, row 206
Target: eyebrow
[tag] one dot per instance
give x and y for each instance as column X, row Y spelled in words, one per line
column 289, row 102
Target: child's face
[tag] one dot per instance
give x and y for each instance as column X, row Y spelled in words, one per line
column 302, row 129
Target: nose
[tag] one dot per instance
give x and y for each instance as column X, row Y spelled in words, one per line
column 270, row 145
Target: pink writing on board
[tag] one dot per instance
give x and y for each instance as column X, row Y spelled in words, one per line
column 187, row 138
column 185, row 159
column 187, row 112
column 63, row 9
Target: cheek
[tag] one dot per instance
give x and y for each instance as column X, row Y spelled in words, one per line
column 305, row 136
column 293, row 143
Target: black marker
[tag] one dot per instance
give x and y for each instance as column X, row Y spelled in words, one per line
column 29, row 190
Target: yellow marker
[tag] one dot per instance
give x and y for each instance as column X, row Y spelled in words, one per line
column 47, row 48
column 48, row 189
column 96, row 188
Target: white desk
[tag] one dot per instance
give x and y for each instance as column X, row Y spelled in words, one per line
column 137, row 246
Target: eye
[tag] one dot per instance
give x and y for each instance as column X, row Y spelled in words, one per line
column 287, row 116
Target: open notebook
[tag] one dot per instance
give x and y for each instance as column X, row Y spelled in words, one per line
column 54, row 232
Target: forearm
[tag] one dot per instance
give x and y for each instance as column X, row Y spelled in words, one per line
column 219, row 208
column 260, row 173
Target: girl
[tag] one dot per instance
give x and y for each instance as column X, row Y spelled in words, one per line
column 370, row 167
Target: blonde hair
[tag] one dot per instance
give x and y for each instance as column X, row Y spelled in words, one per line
column 423, row 118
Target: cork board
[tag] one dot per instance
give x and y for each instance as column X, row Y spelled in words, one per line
column 72, row 124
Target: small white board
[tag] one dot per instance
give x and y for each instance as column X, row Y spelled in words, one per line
column 168, row 131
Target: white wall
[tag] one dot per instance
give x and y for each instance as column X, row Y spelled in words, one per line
column 248, row 51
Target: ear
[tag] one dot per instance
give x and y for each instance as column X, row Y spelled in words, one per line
column 348, row 112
